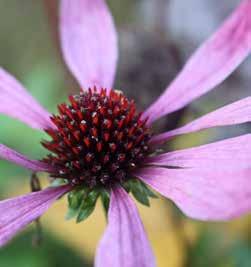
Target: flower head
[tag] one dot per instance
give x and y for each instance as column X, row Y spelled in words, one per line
column 98, row 140
column 102, row 146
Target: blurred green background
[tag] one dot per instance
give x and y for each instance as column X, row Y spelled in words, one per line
column 153, row 47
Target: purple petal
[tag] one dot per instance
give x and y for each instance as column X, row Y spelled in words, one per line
column 89, row 42
column 17, row 213
column 233, row 153
column 19, row 159
column 210, row 64
column 235, row 113
column 124, row 243
column 16, row 102
column 203, row 194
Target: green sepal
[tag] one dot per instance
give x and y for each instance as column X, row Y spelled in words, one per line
column 71, row 213
column 105, row 199
column 75, row 199
column 127, row 186
column 58, row 182
column 87, row 206
column 140, row 191
column 84, row 213
column 148, row 191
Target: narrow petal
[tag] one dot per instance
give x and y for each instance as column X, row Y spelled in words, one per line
column 89, row 42
column 21, row 160
column 210, row 65
column 235, row 113
column 124, row 243
column 203, row 194
column 233, row 153
column 16, row 102
column 17, row 213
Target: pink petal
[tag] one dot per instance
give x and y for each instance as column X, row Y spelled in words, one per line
column 203, row 193
column 16, row 102
column 235, row 113
column 89, row 42
column 17, row 213
column 233, row 153
column 210, row 65
column 19, row 159
column 124, row 243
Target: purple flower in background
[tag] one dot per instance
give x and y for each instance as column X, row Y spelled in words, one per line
column 100, row 143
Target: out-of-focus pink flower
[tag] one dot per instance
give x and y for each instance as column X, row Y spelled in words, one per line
column 100, row 140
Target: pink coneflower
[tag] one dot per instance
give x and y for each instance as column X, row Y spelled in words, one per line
column 101, row 143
